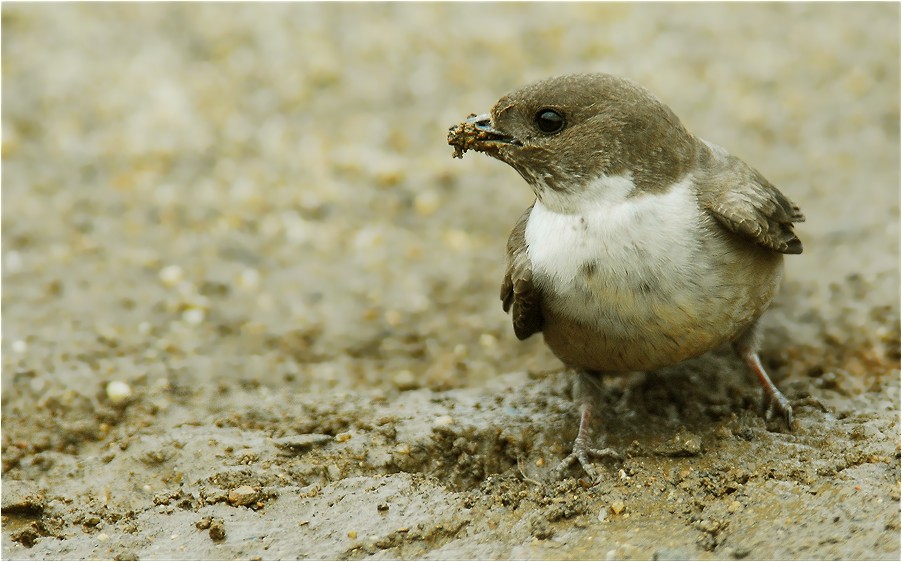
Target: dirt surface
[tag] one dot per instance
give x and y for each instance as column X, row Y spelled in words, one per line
column 250, row 301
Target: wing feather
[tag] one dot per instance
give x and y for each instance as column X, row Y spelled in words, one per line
column 519, row 295
column 745, row 203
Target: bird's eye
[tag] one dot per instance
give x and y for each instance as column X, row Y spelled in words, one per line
column 549, row 121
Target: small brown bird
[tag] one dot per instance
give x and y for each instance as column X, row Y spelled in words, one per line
column 645, row 246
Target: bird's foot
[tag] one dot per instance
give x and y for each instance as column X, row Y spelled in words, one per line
column 775, row 408
column 581, row 453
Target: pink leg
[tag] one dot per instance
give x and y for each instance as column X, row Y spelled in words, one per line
column 581, row 449
column 775, row 405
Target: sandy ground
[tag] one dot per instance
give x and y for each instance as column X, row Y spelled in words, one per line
column 247, row 219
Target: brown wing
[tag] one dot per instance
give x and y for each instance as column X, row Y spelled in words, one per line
column 745, row 203
column 518, row 295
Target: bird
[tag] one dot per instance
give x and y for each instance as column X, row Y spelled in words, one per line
column 645, row 245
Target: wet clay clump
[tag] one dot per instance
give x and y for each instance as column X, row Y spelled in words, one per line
column 465, row 136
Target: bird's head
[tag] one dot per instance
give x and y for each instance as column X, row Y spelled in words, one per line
column 564, row 133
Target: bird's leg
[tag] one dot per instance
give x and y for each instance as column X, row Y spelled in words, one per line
column 774, row 405
column 581, row 449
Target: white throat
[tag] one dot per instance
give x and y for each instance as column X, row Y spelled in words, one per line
column 605, row 190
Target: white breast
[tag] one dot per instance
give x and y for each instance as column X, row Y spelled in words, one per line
column 622, row 260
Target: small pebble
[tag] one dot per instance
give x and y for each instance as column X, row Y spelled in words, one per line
column 618, row 507
column 426, row 203
column 488, row 341
column 405, row 380
column 352, row 534
column 442, row 422
column 19, row 346
column 692, row 445
column 193, row 316
column 118, row 392
column 217, row 530
column 171, row 275
column 342, row 437
column 243, row 495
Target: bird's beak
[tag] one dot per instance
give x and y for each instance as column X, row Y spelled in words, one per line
column 478, row 133
column 483, row 123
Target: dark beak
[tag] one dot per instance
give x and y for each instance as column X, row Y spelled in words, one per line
column 483, row 123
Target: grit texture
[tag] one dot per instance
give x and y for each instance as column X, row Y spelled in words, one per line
column 250, row 300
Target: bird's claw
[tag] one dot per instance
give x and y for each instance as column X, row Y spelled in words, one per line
column 581, row 454
column 775, row 407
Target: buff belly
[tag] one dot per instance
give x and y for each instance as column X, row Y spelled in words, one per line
column 644, row 331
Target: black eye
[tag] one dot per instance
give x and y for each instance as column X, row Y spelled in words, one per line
column 550, row 121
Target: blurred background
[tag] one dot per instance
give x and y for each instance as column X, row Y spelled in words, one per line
column 208, row 194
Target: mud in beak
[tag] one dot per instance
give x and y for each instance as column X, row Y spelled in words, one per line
column 477, row 133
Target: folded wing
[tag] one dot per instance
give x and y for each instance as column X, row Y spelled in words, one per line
column 745, row 203
column 518, row 294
